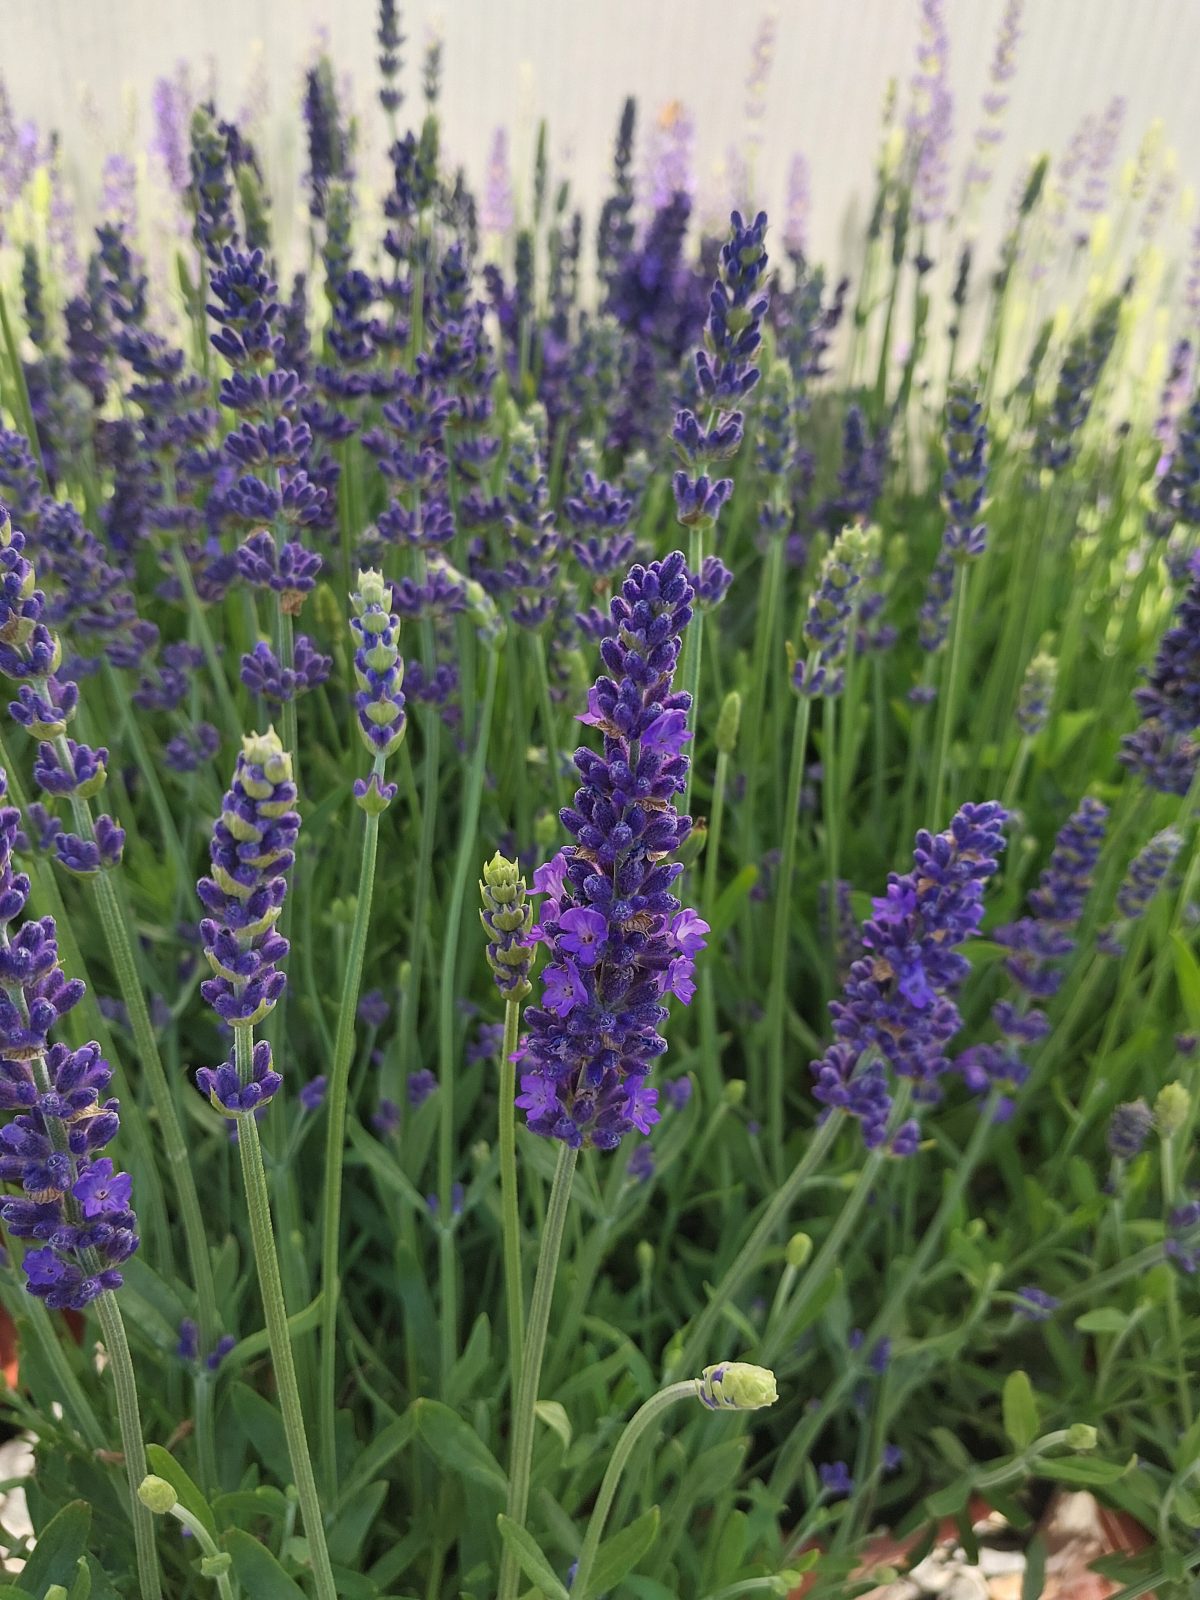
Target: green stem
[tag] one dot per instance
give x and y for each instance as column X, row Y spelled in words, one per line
column 229, row 712
column 335, row 1142
column 524, row 1419
column 553, row 754
column 776, row 994
column 22, row 409
column 747, row 1259
column 258, row 1207
column 949, row 694
column 710, row 1049
column 120, row 1363
column 800, row 1442
column 205, row 1542
column 448, row 1265
column 638, row 1424
column 510, row 1216
column 693, row 643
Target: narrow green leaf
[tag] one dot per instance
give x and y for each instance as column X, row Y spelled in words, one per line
column 1187, row 976
column 530, row 1558
column 556, row 1419
column 1105, row 1319
column 164, row 1464
column 378, row 1454
column 55, row 1557
column 457, row 1446
column 1020, row 1410
column 257, row 1569
column 1036, row 1570
column 620, row 1554
column 1082, row 1470
column 731, row 899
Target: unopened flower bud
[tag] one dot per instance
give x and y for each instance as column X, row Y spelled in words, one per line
column 1171, row 1109
column 728, row 721
column 1081, row 1436
column 798, row 1249
column 157, row 1495
column 736, row 1386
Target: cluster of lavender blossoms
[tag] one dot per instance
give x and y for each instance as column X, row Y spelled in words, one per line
column 617, row 939
column 1038, row 944
column 724, row 372
column 74, row 1205
column 897, row 1007
column 1163, row 749
column 251, row 852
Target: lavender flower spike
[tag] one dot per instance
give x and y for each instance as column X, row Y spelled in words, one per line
column 252, row 850
column 379, row 673
column 74, row 1206
column 618, row 940
column 1163, row 749
column 507, row 919
column 897, row 1004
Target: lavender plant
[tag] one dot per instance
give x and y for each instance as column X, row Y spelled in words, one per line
column 434, row 1234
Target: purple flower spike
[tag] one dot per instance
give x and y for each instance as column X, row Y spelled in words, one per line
column 251, row 851
column 75, row 1206
column 897, row 1006
column 618, row 940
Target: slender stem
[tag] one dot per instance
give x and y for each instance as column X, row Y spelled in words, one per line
column 120, row 952
column 747, row 1259
column 335, row 1143
column 120, row 1363
column 553, row 754
column 229, row 712
column 448, row 1265
column 524, row 1419
column 22, row 408
column 949, row 693
column 287, row 658
column 692, row 655
column 800, row 1442
column 258, row 1207
column 206, row 1542
column 776, row 994
column 510, row 1216
column 710, row 1049
column 686, row 1389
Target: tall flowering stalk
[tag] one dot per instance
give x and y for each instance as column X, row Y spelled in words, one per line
column 379, row 705
column 819, row 673
column 964, row 541
column 75, row 1209
column 45, row 704
column 618, row 940
column 507, row 919
column 725, row 375
column 251, row 852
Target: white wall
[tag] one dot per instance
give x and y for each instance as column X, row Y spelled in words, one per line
column 87, row 67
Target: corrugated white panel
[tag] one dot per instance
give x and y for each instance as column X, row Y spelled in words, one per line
column 88, row 69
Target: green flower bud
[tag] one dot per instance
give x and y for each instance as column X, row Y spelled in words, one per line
column 1081, row 1436
column 734, row 1091
column 736, row 1386
column 157, row 1495
column 728, row 722
column 645, row 1257
column 216, row 1566
column 692, row 847
column 371, row 591
column 1171, row 1109
column 507, row 918
column 799, row 1248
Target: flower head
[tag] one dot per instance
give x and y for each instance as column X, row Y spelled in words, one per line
column 252, row 850
column 618, row 939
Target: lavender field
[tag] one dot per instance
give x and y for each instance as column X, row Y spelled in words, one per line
column 599, row 989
